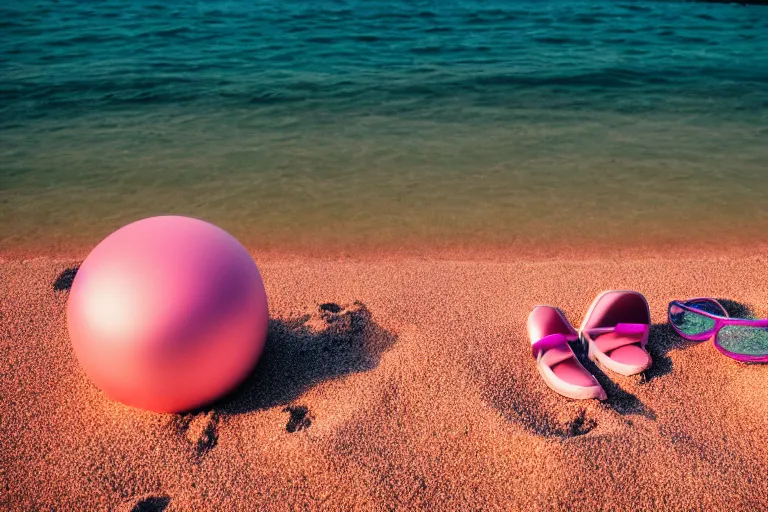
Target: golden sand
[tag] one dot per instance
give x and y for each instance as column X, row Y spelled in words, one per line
column 398, row 384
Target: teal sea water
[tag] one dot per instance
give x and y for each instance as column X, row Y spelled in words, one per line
column 385, row 123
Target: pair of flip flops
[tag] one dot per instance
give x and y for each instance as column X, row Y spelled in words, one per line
column 614, row 334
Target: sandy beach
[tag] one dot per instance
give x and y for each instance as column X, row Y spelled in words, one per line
column 411, row 179
column 398, row 383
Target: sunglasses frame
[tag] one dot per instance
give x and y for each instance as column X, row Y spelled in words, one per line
column 720, row 322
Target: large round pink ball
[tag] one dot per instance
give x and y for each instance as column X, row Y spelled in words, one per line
column 168, row 314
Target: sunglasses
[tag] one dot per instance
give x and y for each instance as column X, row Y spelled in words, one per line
column 738, row 338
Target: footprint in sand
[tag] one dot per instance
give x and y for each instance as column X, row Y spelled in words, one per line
column 333, row 319
column 578, row 424
column 146, row 503
column 199, row 430
column 562, row 421
column 64, row 281
column 328, row 341
column 299, row 419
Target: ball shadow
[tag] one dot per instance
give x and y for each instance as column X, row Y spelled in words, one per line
column 302, row 352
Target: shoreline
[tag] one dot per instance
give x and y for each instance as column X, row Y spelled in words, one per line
column 457, row 252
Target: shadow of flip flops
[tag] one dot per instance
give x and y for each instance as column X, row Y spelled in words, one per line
column 300, row 353
column 662, row 339
column 619, row 399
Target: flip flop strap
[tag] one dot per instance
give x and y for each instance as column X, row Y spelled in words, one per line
column 624, row 334
column 621, row 328
column 631, row 329
column 556, row 340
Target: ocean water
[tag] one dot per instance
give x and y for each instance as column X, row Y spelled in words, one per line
column 331, row 125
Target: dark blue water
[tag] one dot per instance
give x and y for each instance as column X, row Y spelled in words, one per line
column 382, row 123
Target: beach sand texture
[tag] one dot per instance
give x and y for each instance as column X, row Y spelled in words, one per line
column 398, row 384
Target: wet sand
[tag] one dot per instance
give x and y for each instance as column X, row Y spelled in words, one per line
column 398, row 383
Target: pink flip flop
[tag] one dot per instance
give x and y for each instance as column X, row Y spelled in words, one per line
column 615, row 331
column 550, row 332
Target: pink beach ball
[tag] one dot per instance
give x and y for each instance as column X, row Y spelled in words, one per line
column 168, row 314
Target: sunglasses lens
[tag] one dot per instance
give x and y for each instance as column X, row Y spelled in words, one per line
column 744, row 340
column 691, row 323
